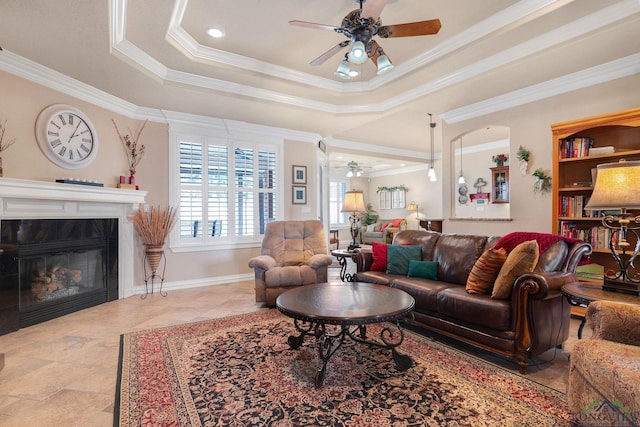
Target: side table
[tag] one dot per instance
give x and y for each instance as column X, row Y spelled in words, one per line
column 342, row 255
column 583, row 293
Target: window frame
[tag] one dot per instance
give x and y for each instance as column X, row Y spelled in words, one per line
column 205, row 135
column 346, row 182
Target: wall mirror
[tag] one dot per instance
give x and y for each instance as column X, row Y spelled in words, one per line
column 479, row 181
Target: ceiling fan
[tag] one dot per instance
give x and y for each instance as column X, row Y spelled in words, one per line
column 360, row 26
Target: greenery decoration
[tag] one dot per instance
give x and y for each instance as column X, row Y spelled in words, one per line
column 500, row 158
column 523, row 154
column 370, row 217
column 543, row 181
column 392, row 189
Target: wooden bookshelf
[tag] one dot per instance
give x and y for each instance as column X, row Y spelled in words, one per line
column 572, row 182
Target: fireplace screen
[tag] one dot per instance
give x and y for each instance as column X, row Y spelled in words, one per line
column 52, row 276
column 53, row 267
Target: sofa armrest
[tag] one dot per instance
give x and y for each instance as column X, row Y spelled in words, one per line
column 389, row 230
column 577, row 251
column 615, row 321
column 265, row 262
column 319, row 260
column 363, row 258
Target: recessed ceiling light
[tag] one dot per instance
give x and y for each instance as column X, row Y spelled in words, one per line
column 353, row 73
column 215, row 33
column 403, row 164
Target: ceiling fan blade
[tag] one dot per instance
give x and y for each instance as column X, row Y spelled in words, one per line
column 375, row 48
column 372, row 8
column 422, row 28
column 328, row 54
column 314, row 25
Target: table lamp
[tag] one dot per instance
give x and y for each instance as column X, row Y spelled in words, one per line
column 617, row 187
column 354, row 204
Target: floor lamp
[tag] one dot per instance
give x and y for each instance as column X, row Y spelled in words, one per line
column 354, row 204
column 617, row 187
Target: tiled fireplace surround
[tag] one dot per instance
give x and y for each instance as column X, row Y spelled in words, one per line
column 25, row 199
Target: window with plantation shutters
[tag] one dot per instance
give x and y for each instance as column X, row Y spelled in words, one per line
column 227, row 190
column 336, row 200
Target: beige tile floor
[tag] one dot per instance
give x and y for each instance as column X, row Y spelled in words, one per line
column 63, row 372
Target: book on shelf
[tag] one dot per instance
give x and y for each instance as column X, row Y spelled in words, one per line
column 597, row 236
column 575, row 147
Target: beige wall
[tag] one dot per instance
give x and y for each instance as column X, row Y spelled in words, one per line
column 529, row 124
column 531, row 127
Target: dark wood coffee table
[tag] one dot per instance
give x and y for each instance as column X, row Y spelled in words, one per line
column 349, row 307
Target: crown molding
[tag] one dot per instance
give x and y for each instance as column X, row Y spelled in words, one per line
column 603, row 73
column 509, row 17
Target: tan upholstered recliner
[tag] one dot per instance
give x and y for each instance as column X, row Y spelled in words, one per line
column 293, row 253
column 604, row 372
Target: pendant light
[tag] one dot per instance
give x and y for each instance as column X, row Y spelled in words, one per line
column 432, row 171
column 461, row 179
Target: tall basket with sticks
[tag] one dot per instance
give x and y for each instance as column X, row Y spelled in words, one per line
column 153, row 227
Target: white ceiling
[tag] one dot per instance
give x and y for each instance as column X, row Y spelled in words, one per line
column 154, row 54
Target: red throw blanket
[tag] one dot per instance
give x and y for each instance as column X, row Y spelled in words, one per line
column 545, row 240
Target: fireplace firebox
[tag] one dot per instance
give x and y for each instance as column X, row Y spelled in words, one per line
column 53, row 267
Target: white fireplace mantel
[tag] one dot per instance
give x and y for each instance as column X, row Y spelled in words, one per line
column 26, row 199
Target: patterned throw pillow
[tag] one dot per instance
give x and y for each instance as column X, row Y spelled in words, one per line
column 398, row 258
column 371, row 227
column 379, row 256
column 522, row 259
column 485, row 271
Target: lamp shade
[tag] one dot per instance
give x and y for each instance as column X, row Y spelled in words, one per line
column 384, row 64
column 617, row 186
column 358, row 53
column 412, row 207
column 343, row 70
column 353, row 202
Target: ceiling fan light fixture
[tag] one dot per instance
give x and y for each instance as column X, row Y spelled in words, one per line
column 384, row 64
column 358, row 53
column 343, row 70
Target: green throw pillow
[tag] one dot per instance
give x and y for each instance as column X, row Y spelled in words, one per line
column 398, row 258
column 425, row 269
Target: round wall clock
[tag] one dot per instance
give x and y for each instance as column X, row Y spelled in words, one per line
column 66, row 136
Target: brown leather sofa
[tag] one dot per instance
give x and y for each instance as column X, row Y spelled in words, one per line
column 535, row 318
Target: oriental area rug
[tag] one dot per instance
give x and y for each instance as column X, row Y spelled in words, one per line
column 240, row 371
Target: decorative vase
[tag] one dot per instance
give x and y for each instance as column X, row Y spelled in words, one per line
column 132, row 179
column 1, row 172
column 154, row 254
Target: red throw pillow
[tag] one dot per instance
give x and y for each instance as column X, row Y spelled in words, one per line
column 379, row 256
column 384, row 226
column 396, row 222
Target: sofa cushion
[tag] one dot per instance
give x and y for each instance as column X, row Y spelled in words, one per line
column 454, row 302
column 398, row 258
column 485, row 271
column 522, row 259
column 456, row 254
column 379, row 251
column 424, row 291
column 553, row 258
column 384, row 226
column 371, row 227
column 425, row 269
column 426, row 239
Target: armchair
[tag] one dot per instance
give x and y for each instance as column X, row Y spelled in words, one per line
column 293, row 253
column 604, row 372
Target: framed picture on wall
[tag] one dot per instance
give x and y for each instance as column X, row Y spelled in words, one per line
column 299, row 195
column 299, row 174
